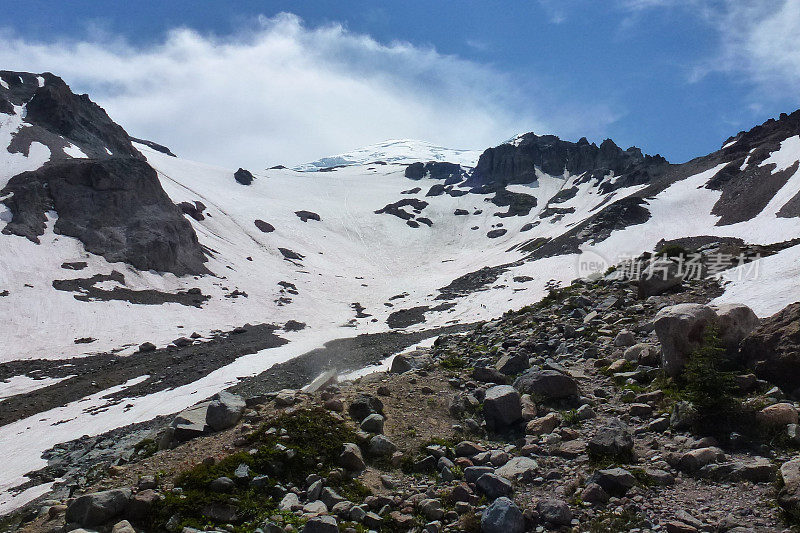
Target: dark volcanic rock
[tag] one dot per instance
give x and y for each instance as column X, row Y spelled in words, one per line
column 155, row 146
column 436, row 190
column 266, row 227
column 115, row 207
column 519, row 204
column 450, row 172
column 6, row 106
column 773, row 349
column 516, row 163
column 291, row 255
column 55, row 108
column 397, row 210
column 495, row 233
column 305, row 216
column 194, row 210
column 243, row 176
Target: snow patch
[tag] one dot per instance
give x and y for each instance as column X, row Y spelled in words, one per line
column 786, row 156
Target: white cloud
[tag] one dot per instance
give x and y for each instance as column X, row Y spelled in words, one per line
column 281, row 92
column 760, row 40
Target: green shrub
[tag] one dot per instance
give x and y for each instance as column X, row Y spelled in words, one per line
column 709, row 387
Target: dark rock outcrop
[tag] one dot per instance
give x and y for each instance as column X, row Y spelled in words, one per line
column 517, row 163
column 451, row 173
column 194, row 210
column 115, row 207
column 155, row 146
column 245, row 177
column 305, row 216
column 56, row 109
column 266, row 227
column 6, row 106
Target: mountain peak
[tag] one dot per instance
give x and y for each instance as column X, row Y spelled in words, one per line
column 395, row 151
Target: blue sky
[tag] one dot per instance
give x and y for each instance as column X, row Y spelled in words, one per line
column 673, row 77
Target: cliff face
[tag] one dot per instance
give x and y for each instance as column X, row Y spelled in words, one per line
column 516, row 162
column 109, row 198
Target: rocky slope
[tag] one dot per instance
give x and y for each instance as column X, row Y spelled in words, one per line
column 559, row 416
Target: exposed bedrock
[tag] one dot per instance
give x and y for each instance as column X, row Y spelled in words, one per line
column 115, row 207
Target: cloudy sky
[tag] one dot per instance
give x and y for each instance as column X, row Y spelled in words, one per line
column 269, row 82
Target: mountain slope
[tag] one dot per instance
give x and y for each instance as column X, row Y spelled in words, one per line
column 109, row 244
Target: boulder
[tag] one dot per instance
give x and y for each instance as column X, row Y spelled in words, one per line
column 364, row 405
column 554, row 512
column 594, row 494
column 380, row 446
column 401, row 364
column 431, row 509
column 789, row 495
column 321, row 524
column 141, row 504
column 99, row 507
column 612, row 442
column 772, row 350
column 735, row 321
column 664, row 276
column 547, row 384
column 779, row 414
column 189, row 424
column 693, row 460
column 224, row 410
column 615, row 481
column 244, row 177
column 543, row 425
column 502, row 516
column 494, row 486
column 473, row 473
column 624, row 338
column 512, row 364
column 681, row 329
column 372, row 423
column 486, row 374
column 523, row 468
column 289, row 501
column 502, row 406
column 123, row 526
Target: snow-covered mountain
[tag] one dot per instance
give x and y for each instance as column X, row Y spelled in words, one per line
column 108, row 244
column 401, row 151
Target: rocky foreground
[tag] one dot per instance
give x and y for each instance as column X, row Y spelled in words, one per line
column 596, row 409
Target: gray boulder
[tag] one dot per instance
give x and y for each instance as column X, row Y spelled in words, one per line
column 736, row 321
column 364, row 405
column 523, row 468
column 664, row 276
column 547, row 384
column 614, row 441
column 372, row 423
column 351, row 458
column 615, row 481
column 681, row 329
column 321, row 524
column 99, row 507
column 554, row 512
column 224, row 411
column 494, row 486
column 380, row 446
column 502, row 516
column 502, row 406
